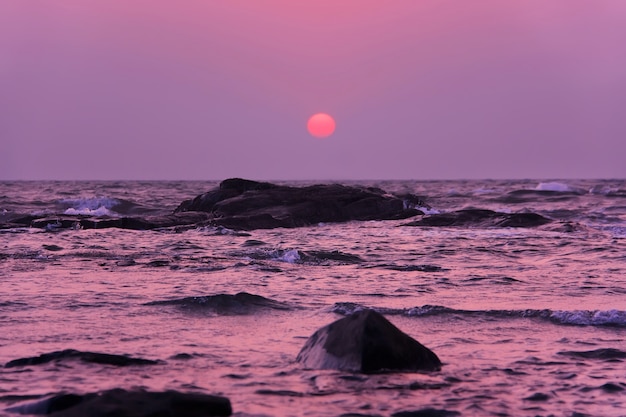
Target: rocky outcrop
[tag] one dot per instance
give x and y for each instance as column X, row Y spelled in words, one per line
column 92, row 357
column 366, row 342
column 119, row 402
column 226, row 304
column 244, row 204
column 481, row 218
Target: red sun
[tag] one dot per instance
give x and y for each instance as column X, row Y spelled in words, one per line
column 321, row 125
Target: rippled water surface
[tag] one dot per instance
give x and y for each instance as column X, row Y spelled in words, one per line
column 513, row 313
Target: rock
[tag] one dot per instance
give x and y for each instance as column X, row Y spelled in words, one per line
column 319, row 256
column 92, row 357
column 538, row 397
column 119, row 402
column 481, row 218
column 366, row 342
column 227, row 304
column 246, row 205
column 133, row 223
column 603, row 353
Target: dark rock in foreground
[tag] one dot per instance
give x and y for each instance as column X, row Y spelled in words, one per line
column 241, row 303
column 366, row 342
column 481, row 218
column 121, row 403
column 245, row 204
column 91, row 357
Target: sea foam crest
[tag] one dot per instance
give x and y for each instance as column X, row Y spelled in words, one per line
column 615, row 318
column 554, row 186
column 291, row 256
column 92, row 206
column 590, row 318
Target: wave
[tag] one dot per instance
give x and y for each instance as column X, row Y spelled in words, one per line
column 558, row 187
column 100, row 206
column 311, row 257
column 607, row 190
column 612, row 318
column 545, row 192
column 93, row 206
column 410, row 268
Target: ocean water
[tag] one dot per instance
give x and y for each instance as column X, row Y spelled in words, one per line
column 527, row 321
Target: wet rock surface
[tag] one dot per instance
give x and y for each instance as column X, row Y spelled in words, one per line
column 366, row 342
column 481, row 218
column 91, row 357
column 119, row 402
column 245, row 204
column 104, row 222
column 227, row 304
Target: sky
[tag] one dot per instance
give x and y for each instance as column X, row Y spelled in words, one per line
column 206, row 90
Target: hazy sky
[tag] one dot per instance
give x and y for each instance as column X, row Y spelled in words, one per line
column 420, row 89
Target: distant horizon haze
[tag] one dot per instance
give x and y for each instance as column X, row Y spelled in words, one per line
column 420, row 90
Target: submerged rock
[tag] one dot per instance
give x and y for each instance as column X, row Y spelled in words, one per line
column 92, row 357
column 119, row 402
column 481, row 218
column 245, row 204
column 603, row 354
column 241, row 303
column 133, row 223
column 366, row 342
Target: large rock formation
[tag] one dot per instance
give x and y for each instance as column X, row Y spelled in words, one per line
column 245, row 204
column 119, row 402
column 366, row 342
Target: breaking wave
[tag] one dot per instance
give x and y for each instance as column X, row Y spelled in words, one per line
column 615, row 318
column 100, row 206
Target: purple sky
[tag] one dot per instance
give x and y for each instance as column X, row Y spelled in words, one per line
column 428, row 89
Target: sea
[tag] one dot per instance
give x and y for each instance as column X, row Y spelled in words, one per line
column 526, row 321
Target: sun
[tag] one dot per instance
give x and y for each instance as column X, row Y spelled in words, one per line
column 321, row 125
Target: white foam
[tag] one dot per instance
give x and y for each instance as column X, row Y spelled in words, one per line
column 290, row 256
column 90, row 206
column 428, row 210
column 91, row 203
column 100, row 211
column 590, row 318
column 217, row 230
column 553, row 186
column 616, row 231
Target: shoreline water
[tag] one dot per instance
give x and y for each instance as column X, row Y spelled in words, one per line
column 500, row 306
